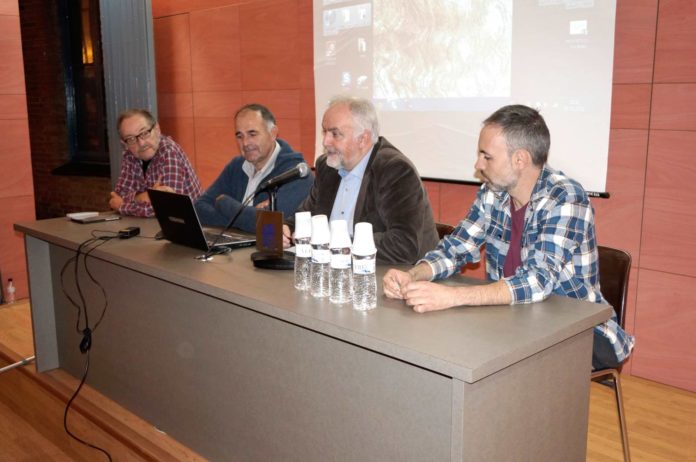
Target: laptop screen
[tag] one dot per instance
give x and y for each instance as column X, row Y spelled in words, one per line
column 180, row 224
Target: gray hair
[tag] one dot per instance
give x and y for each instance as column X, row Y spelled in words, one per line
column 363, row 112
column 523, row 128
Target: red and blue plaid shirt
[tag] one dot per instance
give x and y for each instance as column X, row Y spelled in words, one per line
column 168, row 167
column 559, row 250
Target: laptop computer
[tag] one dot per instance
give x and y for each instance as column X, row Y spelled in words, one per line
column 179, row 222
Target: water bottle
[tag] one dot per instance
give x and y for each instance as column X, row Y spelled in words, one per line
column 303, row 249
column 321, row 257
column 340, row 277
column 364, row 254
column 10, row 291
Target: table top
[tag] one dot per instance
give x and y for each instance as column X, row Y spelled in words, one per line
column 467, row 343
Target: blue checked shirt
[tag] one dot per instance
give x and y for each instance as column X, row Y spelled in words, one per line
column 559, row 251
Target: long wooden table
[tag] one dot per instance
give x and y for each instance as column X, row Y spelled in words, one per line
column 236, row 364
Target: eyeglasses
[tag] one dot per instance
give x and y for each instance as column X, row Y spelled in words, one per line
column 132, row 140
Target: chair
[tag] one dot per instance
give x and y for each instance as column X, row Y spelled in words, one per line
column 614, row 268
column 443, row 229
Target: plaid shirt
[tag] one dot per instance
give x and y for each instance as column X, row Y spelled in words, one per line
column 168, row 167
column 559, row 251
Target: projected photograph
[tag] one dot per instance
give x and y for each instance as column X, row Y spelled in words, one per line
column 441, row 49
column 435, row 69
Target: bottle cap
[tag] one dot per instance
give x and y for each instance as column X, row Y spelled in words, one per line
column 303, row 224
column 320, row 230
column 363, row 240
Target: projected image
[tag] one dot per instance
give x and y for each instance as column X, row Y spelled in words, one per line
column 436, row 68
column 441, row 49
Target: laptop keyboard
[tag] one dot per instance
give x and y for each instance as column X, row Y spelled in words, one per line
column 226, row 239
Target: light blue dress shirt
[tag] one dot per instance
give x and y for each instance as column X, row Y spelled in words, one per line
column 347, row 195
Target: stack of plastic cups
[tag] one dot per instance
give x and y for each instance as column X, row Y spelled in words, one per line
column 321, row 257
column 364, row 266
column 340, row 277
column 303, row 249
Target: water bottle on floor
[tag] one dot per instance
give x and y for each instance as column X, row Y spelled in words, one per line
column 340, row 277
column 364, row 255
column 303, row 249
column 321, row 257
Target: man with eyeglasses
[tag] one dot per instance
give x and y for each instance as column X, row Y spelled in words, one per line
column 150, row 160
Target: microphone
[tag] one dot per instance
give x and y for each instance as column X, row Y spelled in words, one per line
column 300, row 170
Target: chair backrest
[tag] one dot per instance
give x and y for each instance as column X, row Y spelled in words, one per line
column 443, row 229
column 614, row 268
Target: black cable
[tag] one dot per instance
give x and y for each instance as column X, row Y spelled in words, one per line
column 85, row 249
column 67, row 407
column 215, row 250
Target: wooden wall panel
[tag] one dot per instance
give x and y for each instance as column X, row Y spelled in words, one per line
column 216, row 104
column 13, row 106
column 215, row 50
column 618, row 219
column 630, row 106
column 664, row 328
column 669, row 218
column 675, row 51
column 11, row 64
column 634, row 40
column 285, row 104
column 15, row 159
column 674, row 106
column 215, row 146
column 162, row 8
column 9, row 7
column 173, row 54
column 175, row 104
column 269, row 45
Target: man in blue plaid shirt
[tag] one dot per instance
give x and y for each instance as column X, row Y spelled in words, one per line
column 538, row 227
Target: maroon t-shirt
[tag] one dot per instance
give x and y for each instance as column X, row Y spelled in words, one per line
column 513, row 259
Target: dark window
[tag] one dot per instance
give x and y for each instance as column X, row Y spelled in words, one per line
column 84, row 88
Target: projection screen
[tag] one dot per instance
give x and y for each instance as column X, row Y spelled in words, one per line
column 436, row 69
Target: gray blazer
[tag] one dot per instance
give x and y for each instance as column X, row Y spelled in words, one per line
column 392, row 198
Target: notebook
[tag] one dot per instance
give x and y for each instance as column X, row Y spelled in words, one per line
column 179, row 222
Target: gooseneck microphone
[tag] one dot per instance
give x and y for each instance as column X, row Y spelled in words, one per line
column 300, row 170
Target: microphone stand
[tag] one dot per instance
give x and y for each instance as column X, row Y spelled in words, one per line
column 219, row 250
column 271, row 260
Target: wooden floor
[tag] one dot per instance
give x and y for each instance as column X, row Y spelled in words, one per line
column 661, row 419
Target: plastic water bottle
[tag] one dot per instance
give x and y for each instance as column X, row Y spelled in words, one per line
column 321, row 257
column 364, row 255
column 303, row 249
column 340, row 277
column 10, row 291
column 303, row 261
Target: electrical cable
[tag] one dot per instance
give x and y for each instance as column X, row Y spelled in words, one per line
column 84, row 249
column 67, row 407
column 213, row 250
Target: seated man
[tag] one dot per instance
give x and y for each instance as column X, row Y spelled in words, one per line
column 361, row 177
column 150, row 160
column 538, row 227
column 264, row 156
